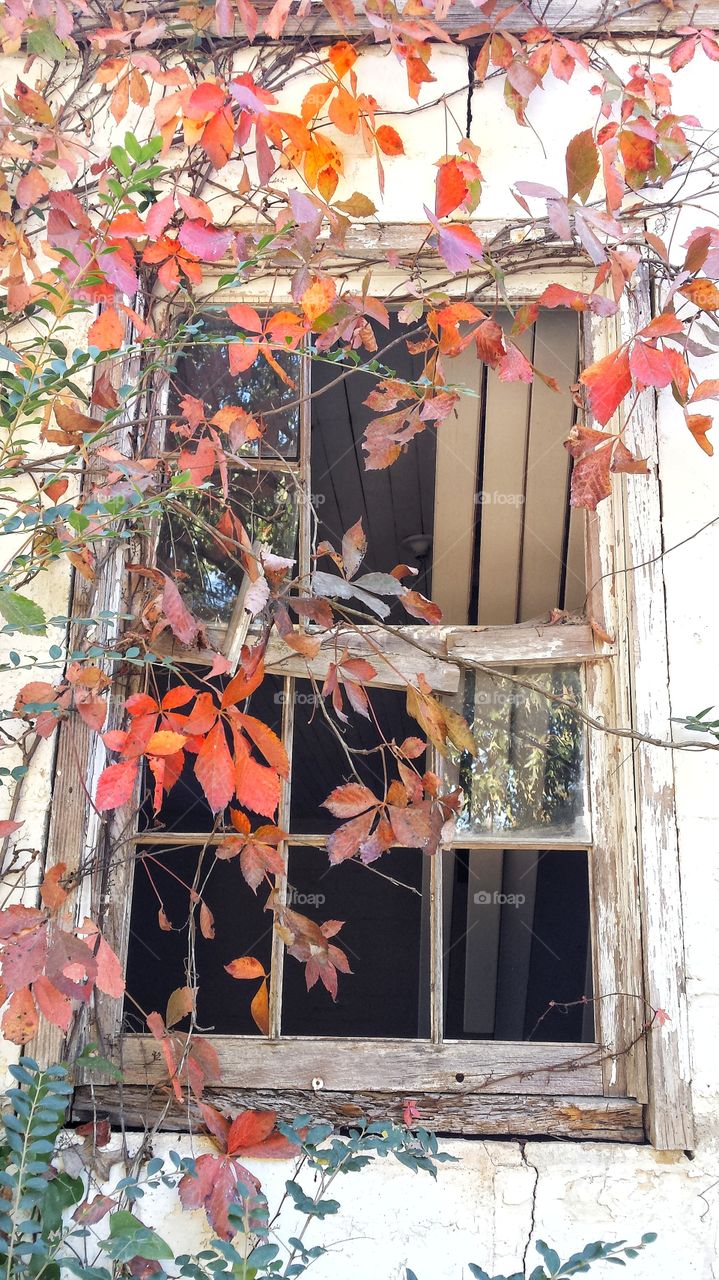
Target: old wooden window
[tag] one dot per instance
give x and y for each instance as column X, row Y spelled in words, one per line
column 470, row 966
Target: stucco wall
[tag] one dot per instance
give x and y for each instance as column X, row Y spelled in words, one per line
column 500, row 1196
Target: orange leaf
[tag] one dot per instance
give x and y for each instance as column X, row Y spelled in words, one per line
column 699, row 424
column 31, row 188
column 260, row 1009
column 51, row 891
column 267, row 741
column 702, row 293
column 19, row 1021
column 342, row 56
column 245, row 967
column 165, row 743
column 107, row 331
column 389, row 141
column 241, row 686
column 318, row 298
column 207, row 921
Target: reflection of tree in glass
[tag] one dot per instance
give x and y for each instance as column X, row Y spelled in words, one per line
column 528, row 771
column 208, row 573
column 202, row 370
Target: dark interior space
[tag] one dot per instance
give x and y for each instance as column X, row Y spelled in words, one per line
column 382, row 939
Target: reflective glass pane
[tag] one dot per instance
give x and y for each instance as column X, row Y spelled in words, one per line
column 517, row 952
column 529, row 771
column 197, row 537
column 157, row 960
column 385, row 938
column 202, row 370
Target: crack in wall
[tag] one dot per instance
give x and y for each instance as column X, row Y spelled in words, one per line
column 471, row 63
column 533, row 1211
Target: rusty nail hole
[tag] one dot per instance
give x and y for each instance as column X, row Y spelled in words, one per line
column 459, row 1077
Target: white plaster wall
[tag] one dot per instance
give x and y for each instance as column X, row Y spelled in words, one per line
column 500, row 1196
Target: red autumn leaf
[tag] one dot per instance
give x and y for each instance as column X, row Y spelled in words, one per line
column 607, row 381
column 257, row 787
column 71, row 966
column 182, row 623
column 92, row 1211
column 24, row 957
column 107, row 331
column 259, row 859
column 344, row 843
column 417, row 606
column 350, row 800
column 214, row 1187
column 140, row 704
column 214, row 769
column 702, row 293
column 637, row 153
column 53, row 1005
column 650, row 366
column 115, row 785
column 458, row 245
column 250, row 1130
column 451, row 187
column 412, row 825
column 20, row 1019
column 8, row 827
column 206, row 242
column 597, row 454
column 110, row 978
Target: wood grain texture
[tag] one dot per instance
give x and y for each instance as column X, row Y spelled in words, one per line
column 559, row 15
column 571, row 1116
column 613, row 863
column 670, row 1110
column 407, row 1066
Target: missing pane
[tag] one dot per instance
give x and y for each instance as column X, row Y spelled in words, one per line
column 158, row 956
column 517, row 952
column 184, row 806
column 320, row 762
column 385, row 938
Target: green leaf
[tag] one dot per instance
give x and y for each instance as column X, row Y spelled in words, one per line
column 22, row 614
column 130, row 1238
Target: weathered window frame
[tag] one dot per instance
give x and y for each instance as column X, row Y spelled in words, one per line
column 488, row 1088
